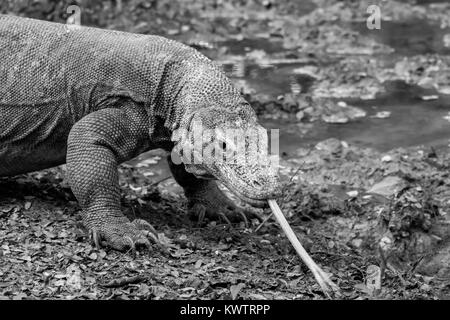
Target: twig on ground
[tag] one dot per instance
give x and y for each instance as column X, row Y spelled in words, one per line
column 123, row 281
column 118, row 260
column 383, row 263
column 321, row 277
column 263, row 222
column 159, row 181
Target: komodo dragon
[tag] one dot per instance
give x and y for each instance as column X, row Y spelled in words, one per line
column 94, row 98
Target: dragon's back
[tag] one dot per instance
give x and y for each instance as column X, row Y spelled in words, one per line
column 45, row 62
column 52, row 75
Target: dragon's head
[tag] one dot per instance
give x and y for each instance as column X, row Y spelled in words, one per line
column 229, row 145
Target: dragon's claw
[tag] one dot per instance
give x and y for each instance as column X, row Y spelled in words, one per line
column 124, row 236
column 214, row 205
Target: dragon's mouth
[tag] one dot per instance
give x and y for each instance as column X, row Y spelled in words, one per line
column 255, row 202
column 254, row 191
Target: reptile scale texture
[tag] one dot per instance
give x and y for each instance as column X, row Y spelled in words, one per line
column 94, row 98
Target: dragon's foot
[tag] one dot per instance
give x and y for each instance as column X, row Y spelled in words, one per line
column 121, row 234
column 213, row 204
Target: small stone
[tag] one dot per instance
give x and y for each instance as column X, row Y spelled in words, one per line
column 300, row 115
column 446, row 40
column 352, row 194
column 331, row 145
column 447, row 117
column 427, row 279
column 382, row 115
column 385, row 243
column 357, row 243
column 430, row 97
column 311, row 71
column 427, row 83
column 388, row 186
column 444, row 90
column 425, row 287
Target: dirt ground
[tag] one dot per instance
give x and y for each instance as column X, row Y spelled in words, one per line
column 376, row 221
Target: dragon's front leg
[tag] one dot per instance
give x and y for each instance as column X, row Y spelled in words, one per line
column 96, row 144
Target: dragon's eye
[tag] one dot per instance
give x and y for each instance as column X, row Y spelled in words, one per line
column 223, row 145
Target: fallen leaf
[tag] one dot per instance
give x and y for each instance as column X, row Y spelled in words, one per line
column 235, row 289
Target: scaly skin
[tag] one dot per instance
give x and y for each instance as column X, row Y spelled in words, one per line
column 95, row 98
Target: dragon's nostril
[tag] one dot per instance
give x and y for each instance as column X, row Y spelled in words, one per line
column 257, row 183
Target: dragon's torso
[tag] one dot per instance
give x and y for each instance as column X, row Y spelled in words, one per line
column 52, row 75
